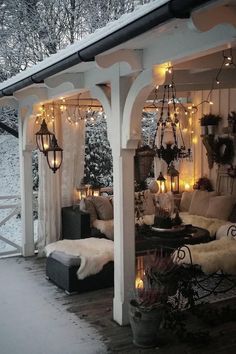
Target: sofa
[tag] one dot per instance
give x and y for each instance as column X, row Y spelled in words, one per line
column 200, row 208
column 207, row 210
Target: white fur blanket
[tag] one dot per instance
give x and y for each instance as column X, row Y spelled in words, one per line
column 212, row 256
column 94, row 253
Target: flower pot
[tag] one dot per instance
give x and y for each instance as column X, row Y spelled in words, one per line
column 204, row 130
column 145, row 325
column 143, row 161
column 211, row 129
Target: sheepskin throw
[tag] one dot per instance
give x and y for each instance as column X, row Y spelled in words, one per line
column 94, row 253
column 212, row 256
column 106, row 227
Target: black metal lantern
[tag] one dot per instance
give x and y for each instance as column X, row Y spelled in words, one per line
column 161, row 183
column 54, row 155
column 43, row 137
column 174, row 178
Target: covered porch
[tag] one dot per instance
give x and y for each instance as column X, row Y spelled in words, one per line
column 120, row 69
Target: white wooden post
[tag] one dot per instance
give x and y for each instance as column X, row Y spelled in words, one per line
column 124, row 233
column 26, row 196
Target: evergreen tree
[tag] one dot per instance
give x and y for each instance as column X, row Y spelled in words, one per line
column 98, row 156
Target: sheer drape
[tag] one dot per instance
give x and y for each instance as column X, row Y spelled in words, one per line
column 73, row 162
column 57, row 190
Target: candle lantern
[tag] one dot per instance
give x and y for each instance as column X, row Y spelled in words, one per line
column 161, row 183
column 174, row 178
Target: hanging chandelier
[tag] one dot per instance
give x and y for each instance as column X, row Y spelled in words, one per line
column 168, row 140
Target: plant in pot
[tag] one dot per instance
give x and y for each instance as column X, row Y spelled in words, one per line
column 211, row 121
column 149, row 303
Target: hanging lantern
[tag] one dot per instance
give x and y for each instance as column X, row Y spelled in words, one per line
column 43, row 137
column 54, row 155
column 174, row 178
column 161, row 183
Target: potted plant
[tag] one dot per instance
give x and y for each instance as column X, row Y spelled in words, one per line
column 211, row 121
column 203, row 123
column 149, row 303
column 232, row 122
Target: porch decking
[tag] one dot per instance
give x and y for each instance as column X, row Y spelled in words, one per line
column 96, row 309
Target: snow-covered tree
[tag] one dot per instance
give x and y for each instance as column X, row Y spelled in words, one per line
column 98, row 157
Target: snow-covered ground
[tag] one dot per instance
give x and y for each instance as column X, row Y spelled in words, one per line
column 9, row 185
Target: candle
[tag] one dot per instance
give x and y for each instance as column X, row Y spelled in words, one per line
column 186, row 187
column 138, row 283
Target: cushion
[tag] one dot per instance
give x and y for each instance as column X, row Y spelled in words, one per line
column 186, row 201
column 220, row 207
column 103, row 207
column 87, row 206
column 199, row 202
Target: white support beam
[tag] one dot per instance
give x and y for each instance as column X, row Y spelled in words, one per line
column 209, row 17
column 187, row 44
column 28, row 100
column 132, row 58
column 137, row 95
column 124, row 237
column 65, row 84
column 26, row 196
column 123, row 184
column 103, row 94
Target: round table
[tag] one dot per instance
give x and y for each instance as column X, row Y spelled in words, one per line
column 148, row 239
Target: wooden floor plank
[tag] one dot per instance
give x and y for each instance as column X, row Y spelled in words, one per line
column 96, row 308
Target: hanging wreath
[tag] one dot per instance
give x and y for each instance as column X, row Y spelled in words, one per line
column 223, row 150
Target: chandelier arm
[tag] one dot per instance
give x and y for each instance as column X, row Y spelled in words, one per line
column 160, row 119
column 181, row 135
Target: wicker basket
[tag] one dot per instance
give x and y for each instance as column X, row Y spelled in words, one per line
column 143, row 161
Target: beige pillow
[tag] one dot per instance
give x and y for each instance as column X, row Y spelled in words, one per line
column 200, row 201
column 87, row 206
column 220, row 207
column 185, row 202
column 103, row 207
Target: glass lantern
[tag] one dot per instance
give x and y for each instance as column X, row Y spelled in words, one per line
column 174, row 178
column 54, row 155
column 161, row 183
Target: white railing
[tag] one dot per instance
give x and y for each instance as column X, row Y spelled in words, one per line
column 13, row 204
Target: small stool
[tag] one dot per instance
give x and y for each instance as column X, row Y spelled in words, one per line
column 61, row 269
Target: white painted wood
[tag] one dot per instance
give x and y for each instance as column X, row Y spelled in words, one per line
column 124, row 236
column 141, row 87
column 26, row 200
column 208, row 17
column 123, row 186
column 186, row 44
column 132, row 57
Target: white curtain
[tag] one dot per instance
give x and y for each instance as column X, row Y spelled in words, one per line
column 49, row 205
column 73, row 161
column 57, row 190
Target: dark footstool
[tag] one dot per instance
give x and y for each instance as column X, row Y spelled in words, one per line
column 61, row 270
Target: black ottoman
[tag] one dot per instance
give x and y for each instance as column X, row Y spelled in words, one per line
column 61, row 269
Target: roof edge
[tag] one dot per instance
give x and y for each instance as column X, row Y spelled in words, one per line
column 170, row 10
